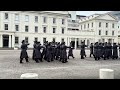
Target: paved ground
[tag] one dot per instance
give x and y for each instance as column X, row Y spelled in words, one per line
column 74, row 69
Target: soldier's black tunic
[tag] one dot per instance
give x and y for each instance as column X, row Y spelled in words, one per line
column 91, row 50
column 115, row 51
column 105, row 51
column 109, row 51
column 49, row 53
column 63, row 55
column 38, row 55
column 33, row 51
column 82, row 52
column 23, row 53
column 96, row 51
column 43, row 51
column 70, row 52
column 57, row 51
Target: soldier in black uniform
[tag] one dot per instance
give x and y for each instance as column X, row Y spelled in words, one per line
column 34, row 50
column 105, row 51
column 70, row 52
column 49, row 52
column 115, row 51
column 38, row 55
column 63, row 52
column 96, row 51
column 58, row 51
column 91, row 49
column 109, row 50
column 24, row 52
column 82, row 52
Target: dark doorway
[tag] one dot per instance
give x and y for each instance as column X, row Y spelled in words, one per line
column 5, row 41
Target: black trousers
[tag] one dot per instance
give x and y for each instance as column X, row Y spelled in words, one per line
column 21, row 59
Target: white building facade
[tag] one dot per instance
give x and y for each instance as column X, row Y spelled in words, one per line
column 16, row 26
column 104, row 27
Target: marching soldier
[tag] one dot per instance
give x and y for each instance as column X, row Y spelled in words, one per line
column 58, row 51
column 109, row 50
column 63, row 52
column 38, row 55
column 48, row 52
column 70, row 52
column 24, row 52
column 82, row 52
column 115, row 51
column 96, row 55
column 91, row 49
column 105, row 51
column 34, row 50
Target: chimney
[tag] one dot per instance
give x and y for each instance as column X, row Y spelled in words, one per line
column 73, row 15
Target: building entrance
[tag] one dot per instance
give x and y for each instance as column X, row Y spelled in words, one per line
column 5, row 41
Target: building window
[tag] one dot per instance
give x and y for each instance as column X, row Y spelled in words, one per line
column 113, row 25
column 63, row 30
column 81, row 27
column 54, row 20
column 92, row 24
column 99, row 32
column 36, row 39
column 88, row 25
column 6, row 16
column 36, row 29
column 99, row 24
column 53, row 39
column 113, row 33
column 16, row 17
column 44, row 19
column 63, row 21
column 26, row 28
column 16, row 27
column 44, row 29
column 106, row 32
column 84, row 26
column 44, row 40
column 26, row 18
column 16, row 40
column 54, row 30
column 26, row 39
column 36, row 19
column 6, row 26
column 106, row 25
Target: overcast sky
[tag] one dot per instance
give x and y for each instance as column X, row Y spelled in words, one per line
column 88, row 13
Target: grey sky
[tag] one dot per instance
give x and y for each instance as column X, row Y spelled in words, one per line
column 88, row 13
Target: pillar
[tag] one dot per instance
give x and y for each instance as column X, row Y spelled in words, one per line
column 1, row 41
column 13, row 41
column 9, row 41
column 75, row 43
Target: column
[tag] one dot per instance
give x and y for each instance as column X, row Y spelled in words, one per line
column 75, row 43
column 1, row 41
column 13, row 41
column 9, row 41
column 69, row 40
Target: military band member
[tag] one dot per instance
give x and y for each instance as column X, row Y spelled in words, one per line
column 91, row 49
column 82, row 52
column 115, row 51
column 23, row 53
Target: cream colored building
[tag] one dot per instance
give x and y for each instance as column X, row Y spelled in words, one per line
column 54, row 25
